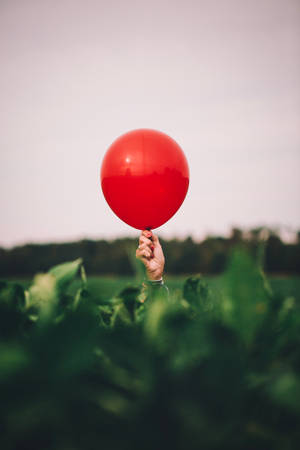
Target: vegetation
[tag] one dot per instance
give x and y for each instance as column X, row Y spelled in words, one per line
column 182, row 256
column 203, row 368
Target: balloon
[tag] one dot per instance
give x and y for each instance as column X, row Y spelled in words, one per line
column 144, row 178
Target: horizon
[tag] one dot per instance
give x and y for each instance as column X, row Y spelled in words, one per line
column 287, row 236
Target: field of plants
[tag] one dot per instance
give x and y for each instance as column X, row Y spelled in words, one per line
column 117, row 364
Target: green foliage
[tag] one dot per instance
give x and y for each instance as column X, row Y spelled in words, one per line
column 203, row 368
column 197, row 293
column 245, row 295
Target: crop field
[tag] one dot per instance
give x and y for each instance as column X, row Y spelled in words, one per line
column 113, row 363
column 105, row 287
column 110, row 286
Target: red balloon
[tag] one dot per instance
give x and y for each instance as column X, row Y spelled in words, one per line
column 144, row 178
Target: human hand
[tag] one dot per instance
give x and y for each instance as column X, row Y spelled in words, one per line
column 150, row 253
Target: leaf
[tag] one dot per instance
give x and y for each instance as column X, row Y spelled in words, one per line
column 42, row 292
column 80, row 294
column 13, row 295
column 197, row 293
column 285, row 390
column 121, row 316
column 129, row 296
column 66, row 272
column 245, row 299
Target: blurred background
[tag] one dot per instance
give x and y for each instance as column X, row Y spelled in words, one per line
column 104, row 360
column 221, row 78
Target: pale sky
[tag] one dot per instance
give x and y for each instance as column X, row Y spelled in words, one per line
column 221, row 77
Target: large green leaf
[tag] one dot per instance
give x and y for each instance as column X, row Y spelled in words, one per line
column 66, row 272
column 245, row 298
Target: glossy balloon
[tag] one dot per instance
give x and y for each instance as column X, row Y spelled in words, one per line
column 144, row 178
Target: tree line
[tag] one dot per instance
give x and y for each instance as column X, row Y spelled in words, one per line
column 183, row 256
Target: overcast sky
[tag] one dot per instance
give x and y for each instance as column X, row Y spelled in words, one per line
column 222, row 77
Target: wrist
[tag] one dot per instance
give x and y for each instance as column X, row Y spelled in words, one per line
column 154, row 276
column 157, row 282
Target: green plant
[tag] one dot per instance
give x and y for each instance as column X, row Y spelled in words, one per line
column 200, row 369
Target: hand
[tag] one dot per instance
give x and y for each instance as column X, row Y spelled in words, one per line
column 151, row 254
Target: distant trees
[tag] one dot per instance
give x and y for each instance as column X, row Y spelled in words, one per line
column 182, row 256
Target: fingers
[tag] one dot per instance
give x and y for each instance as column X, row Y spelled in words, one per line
column 144, row 253
column 146, row 245
column 155, row 239
column 145, row 241
column 149, row 248
column 147, row 233
column 146, row 249
column 150, row 235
